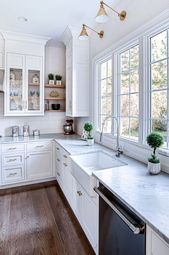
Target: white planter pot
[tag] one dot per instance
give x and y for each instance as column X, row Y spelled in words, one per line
column 58, row 83
column 154, row 168
column 90, row 142
column 51, row 82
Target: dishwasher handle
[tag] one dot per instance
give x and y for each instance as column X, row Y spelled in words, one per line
column 136, row 229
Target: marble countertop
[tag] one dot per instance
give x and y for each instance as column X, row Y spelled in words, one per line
column 10, row 139
column 146, row 195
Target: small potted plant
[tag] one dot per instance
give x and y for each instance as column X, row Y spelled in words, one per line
column 154, row 140
column 88, row 127
column 51, row 79
column 58, row 79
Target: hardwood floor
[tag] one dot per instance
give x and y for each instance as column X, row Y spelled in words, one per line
column 38, row 221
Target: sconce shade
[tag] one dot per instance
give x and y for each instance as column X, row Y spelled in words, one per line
column 102, row 16
column 83, row 34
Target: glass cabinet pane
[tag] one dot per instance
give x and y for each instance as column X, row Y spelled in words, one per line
column 15, row 89
column 33, row 90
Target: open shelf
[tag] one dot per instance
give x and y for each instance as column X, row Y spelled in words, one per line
column 55, row 98
column 34, row 84
column 54, row 110
column 55, row 86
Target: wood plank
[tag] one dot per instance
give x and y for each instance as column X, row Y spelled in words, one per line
column 55, row 86
column 37, row 220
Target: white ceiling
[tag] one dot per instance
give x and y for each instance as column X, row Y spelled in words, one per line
column 47, row 17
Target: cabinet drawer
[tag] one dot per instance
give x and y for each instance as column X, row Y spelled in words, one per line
column 8, row 160
column 40, row 146
column 8, row 148
column 12, row 174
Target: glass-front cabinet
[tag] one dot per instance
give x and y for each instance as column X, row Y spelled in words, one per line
column 24, row 85
column 15, row 89
column 34, row 90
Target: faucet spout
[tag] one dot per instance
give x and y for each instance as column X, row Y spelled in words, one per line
column 118, row 150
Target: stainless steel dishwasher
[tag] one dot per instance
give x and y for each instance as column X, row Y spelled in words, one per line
column 121, row 232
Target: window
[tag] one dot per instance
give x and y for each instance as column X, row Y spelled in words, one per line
column 128, row 87
column 159, row 84
column 139, row 93
column 105, row 102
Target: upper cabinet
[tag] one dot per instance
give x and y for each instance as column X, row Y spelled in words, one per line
column 77, row 74
column 2, row 45
column 24, row 76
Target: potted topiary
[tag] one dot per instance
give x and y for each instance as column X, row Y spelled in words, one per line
column 51, row 79
column 88, row 127
column 58, row 79
column 154, row 140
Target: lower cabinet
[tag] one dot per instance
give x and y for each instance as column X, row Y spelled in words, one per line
column 13, row 163
column 13, row 174
column 155, row 244
column 39, row 165
column 83, row 206
column 85, row 210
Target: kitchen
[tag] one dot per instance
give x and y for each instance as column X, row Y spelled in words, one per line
column 84, row 127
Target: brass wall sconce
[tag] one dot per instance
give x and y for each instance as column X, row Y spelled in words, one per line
column 84, row 35
column 102, row 16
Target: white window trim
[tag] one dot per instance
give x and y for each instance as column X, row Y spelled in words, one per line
column 116, row 86
column 142, row 36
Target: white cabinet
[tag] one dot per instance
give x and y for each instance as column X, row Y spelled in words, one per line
column 13, row 174
column 13, row 163
column 26, row 162
column 155, row 245
column 77, row 74
column 63, row 172
column 2, row 42
column 24, row 96
column 24, row 78
column 59, row 165
column 85, row 210
column 39, row 162
column 83, row 206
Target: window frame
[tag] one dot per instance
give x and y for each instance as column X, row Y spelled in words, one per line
column 142, row 37
column 149, row 36
column 117, row 54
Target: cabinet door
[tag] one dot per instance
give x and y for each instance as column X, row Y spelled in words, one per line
column 77, row 200
column 1, row 60
column 89, row 218
column 67, row 182
column 69, row 92
column 58, row 164
column 154, row 244
column 39, row 165
column 14, row 88
column 34, row 81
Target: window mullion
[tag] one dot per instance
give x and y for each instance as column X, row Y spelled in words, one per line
column 168, row 88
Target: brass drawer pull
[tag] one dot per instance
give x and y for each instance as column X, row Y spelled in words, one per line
column 57, row 148
column 65, row 156
column 65, row 164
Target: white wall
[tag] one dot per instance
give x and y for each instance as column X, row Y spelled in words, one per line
column 138, row 13
column 51, row 122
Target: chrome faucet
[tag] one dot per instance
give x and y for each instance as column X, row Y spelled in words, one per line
column 118, row 150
